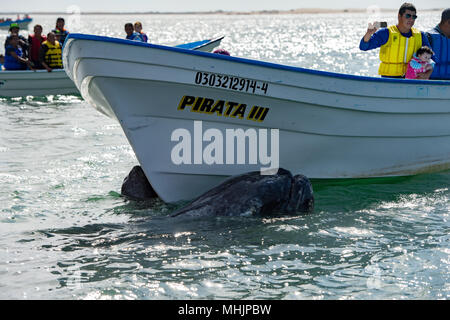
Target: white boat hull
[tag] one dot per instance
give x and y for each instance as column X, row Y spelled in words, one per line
column 330, row 126
column 35, row 83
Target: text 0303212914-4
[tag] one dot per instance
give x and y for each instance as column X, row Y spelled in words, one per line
column 230, row 82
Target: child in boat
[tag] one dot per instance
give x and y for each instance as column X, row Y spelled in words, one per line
column 420, row 62
column 50, row 54
column 138, row 29
column 131, row 34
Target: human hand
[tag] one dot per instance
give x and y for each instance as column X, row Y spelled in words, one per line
column 371, row 29
column 424, row 75
column 29, row 64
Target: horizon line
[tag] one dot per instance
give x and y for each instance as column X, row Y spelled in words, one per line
column 274, row 11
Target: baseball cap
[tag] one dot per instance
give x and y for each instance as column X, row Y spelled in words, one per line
column 14, row 25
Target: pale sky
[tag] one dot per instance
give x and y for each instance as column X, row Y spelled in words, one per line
column 203, row 5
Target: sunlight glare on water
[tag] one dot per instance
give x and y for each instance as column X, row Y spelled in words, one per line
column 65, row 232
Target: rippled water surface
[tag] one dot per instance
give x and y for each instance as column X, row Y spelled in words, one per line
column 65, row 232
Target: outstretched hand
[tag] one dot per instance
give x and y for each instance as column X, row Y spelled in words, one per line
column 372, row 28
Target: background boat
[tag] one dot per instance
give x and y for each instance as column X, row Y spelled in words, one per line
column 41, row 82
column 35, row 83
column 204, row 45
column 332, row 126
column 23, row 23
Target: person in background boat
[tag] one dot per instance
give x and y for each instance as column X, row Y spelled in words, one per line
column 420, row 63
column 2, row 61
column 15, row 58
column 59, row 31
column 131, row 34
column 23, row 43
column 439, row 38
column 221, row 51
column 35, row 42
column 50, row 55
column 397, row 43
column 138, row 29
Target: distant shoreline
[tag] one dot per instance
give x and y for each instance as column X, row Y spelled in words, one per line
column 218, row 12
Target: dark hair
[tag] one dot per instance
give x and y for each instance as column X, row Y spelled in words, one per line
column 129, row 25
column 406, row 6
column 60, row 19
column 37, row 26
column 423, row 50
column 445, row 15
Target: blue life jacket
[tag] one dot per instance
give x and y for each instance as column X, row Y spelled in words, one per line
column 441, row 48
column 136, row 37
column 10, row 62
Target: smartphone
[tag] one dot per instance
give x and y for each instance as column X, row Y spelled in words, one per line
column 382, row 24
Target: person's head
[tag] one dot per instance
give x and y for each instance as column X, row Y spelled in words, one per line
column 407, row 15
column 138, row 26
column 14, row 39
column 37, row 29
column 129, row 29
column 60, row 23
column 444, row 25
column 14, row 28
column 424, row 54
column 221, row 51
column 51, row 37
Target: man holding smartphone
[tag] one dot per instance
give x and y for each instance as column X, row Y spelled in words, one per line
column 397, row 43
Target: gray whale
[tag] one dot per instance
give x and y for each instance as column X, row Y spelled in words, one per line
column 254, row 194
column 135, row 186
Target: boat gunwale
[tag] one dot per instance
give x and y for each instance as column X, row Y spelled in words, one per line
column 271, row 65
column 8, row 23
column 31, row 71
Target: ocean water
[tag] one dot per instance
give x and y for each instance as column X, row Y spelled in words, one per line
column 65, row 232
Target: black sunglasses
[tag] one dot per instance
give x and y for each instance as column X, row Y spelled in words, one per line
column 409, row 16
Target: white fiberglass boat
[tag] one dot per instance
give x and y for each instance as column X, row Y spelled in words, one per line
column 176, row 106
column 205, row 45
column 35, row 83
column 40, row 82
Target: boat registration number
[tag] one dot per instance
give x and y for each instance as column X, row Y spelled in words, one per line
column 230, row 82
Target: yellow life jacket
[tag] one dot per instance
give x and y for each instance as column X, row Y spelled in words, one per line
column 398, row 51
column 53, row 56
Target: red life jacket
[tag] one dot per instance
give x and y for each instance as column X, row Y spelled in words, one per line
column 35, row 46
